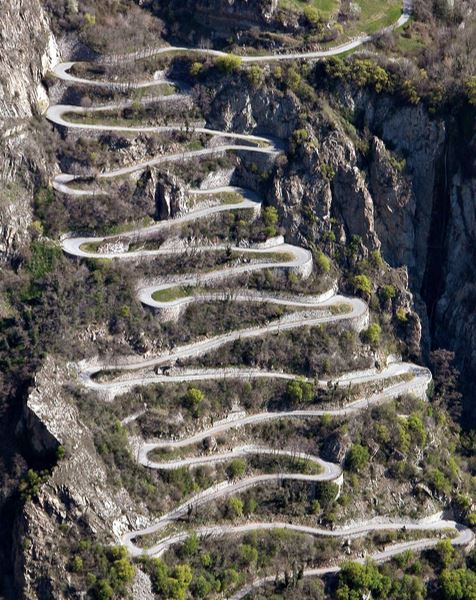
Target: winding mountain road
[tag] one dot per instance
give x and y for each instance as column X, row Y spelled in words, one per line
column 464, row 538
column 313, row 310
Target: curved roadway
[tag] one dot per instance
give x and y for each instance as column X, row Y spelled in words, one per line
column 319, row 313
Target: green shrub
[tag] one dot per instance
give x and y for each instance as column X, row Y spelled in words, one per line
column 357, row 458
column 195, row 69
column 255, row 75
column 458, row 584
column 446, row 553
column 300, row 137
column 439, row 482
column 327, row 171
column 362, row 285
column 193, row 400
column 372, row 334
column 388, row 292
column 470, row 89
column 270, row 219
column 323, row 262
column 103, row 590
column 237, row 468
column 235, row 507
column 300, row 390
column 417, row 430
column 292, row 79
column 77, row 564
column 229, row 63
column 362, row 580
column 401, row 315
column 312, row 15
column 44, row 257
column 249, row 554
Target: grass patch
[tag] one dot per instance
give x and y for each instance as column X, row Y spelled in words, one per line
column 326, row 8
column 340, row 309
column 170, row 294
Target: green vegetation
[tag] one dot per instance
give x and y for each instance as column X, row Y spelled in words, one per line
column 30, row 485
column 106, row 571
column 372, row 334
column 356, row 580
column 229, row 64
column 362, row 285
column 316, row 9
column 172, row 293
column 270, row 218
column 357, row 458
column 193, row 400
column 300, row 391
column 323, row 262
column 171, row 583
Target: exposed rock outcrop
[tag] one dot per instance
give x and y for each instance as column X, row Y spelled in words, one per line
column 28, row 49
column 412, row 195
column 78, row 497
column 163, row 191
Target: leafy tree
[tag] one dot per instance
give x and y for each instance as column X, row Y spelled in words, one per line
column 250, row 505
column 77, row 564
column 357, row 458
column 446, row 381
column 470, row 89
column 326, row 493
column 300, row 390
column 458, row 584
column 446, row 553
column 356, row 581
column 315, row 507
column 230, row 578
column 255, row 75
column 312, row 15
column 294, row 392
column 401, row 315
column 193, row 400
column 439, row 482
column 195, row 69
column 417, row 430
column 408, row 587
column 203, row 587
column 191, row 545
column 103, row 590
column 124, row 570
column 292, row 79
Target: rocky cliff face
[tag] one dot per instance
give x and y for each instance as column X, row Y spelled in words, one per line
column 450, row 283
column 78, row 499
column 410, row 193
column 28, row 49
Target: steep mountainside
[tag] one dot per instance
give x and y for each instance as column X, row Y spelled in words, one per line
column 222, row 278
